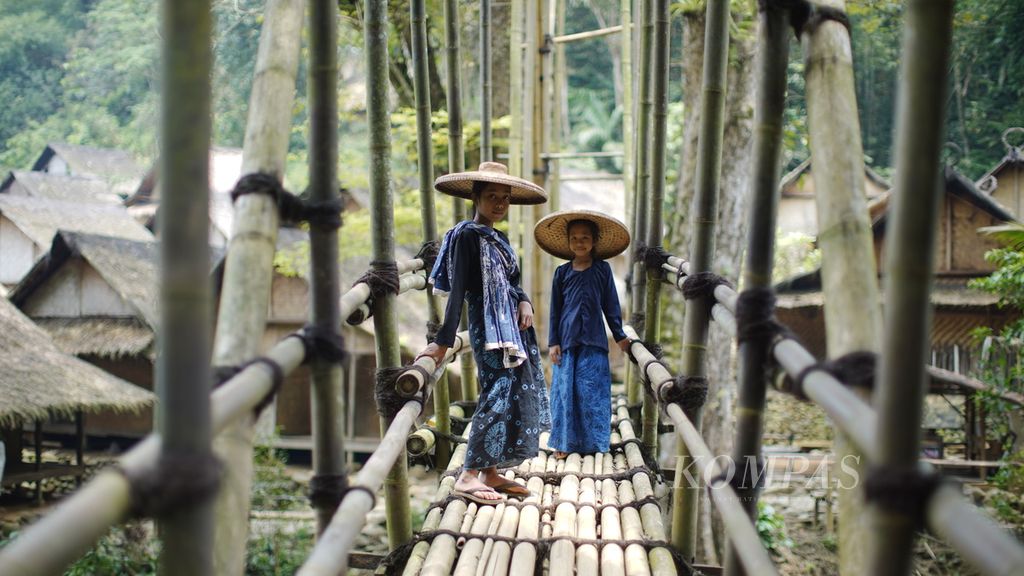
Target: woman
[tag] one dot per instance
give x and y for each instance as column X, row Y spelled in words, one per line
column 476, row 264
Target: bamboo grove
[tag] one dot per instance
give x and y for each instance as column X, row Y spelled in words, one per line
column 203, row 514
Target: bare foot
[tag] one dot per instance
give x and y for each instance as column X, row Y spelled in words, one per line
column 470, row 484
column 502, row 485
column 559, row 455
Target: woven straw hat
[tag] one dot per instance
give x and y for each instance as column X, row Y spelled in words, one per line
column 552, row 233
column 461, row 183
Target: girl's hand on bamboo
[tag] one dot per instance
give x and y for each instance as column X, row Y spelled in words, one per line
column 525, row 315
column 624, row 345
column 434, row 351
column 555, row 352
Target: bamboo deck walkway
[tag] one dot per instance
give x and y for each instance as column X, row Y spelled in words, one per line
column 595, row 514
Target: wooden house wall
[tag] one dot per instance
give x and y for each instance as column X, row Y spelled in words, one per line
column 17, row 252
column 135, row 369
column 76, row 290
column 1010, row 189
column 56, row 165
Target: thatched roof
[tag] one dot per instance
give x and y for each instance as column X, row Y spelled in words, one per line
column 116, row 167
column 41, row 218
column 59, row 187
column 790, row 179
column 38, row 381
column 989, row 182
column 804, row 291
column 104, row 337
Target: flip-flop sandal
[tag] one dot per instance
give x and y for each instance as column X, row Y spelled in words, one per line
column 472, row 496
column 512, row 490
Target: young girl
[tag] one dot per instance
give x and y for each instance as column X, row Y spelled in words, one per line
column 582, row 292
column 477, row 265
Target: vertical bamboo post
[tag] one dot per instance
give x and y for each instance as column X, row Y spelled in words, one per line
column 418, row 16
column 183, row 365
column 382, row 237
column 328, row 452
column 248, row 268
column 37, row 447
column 485, row 81
column 456, row 157
column 79, row 445
column 705, row 213
column 626, row 38
column 515, row 131
column 773, row 50
column 543, row 70
column 639, row 288
column 848, row 271
column 927, row 36
column 558, row 87
column 659, row 114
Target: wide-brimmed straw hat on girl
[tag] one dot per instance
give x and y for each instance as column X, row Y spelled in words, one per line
column 460, row 184
column 552, row 233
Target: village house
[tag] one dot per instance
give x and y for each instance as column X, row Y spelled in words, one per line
column 117, row 168
column 1005, row 182
column 28, row 225
column 958, row 309
column 797, row 205
column 58, row 187
column 41, row 384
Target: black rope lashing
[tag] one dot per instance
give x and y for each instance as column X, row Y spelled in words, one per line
column 755, row 316
column 653, row 257
column 179, row 480
column 815, row 15
column 428, row 253
column 325, row 214
column 638, row 320
column 326, row 491
column 382, row 278
column 389, row 401
column 621, row 445
column 903, row 490
column 453, row 438
column 322, row 343
column 552, row 506
column 432, row 328
column 690, row 392
column 224, row 373
column 702, row 284
column 555, row 478
column 855, row 369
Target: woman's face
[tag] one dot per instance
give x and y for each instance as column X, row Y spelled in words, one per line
column 492, row 204
column 581, row 240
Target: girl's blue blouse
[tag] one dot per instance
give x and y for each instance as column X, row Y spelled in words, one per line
column 578, row 301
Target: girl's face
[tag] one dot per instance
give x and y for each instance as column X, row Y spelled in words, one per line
column 492, row 204
column 581, row 241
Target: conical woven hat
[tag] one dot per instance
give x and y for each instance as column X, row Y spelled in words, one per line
column 552, row 233
column 461, row 184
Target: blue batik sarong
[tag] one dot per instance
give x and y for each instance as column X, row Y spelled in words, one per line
column 581, row 401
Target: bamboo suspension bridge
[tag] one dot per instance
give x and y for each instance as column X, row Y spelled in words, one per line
column 608, row 513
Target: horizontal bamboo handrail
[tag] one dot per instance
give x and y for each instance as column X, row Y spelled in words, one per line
column 77, row 523
column 741, row 530
column 330, row 555
column 410, row 382
column 985, row 545
column 587, row 35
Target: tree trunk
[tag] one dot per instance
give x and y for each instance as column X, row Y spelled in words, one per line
column 718, row 420
column 501, row 23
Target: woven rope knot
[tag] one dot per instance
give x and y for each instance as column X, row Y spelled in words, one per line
column 257, row 183
column 638, row 320
column 690, row 392
column 428, row 253
column 702, row 285
column 322, row 214
column 389, row 401
column 382, row 278
column 855, row 369
column 755, row 316
column 322, row 343
column 805, row 17
column 432, row 328
column 904, row 490
column 327, row 490
column 179, row 480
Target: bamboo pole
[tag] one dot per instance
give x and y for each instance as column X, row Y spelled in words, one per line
column 754, row 354
column 587, row 557
column 425, row 159
column 559, row 85
column 515, row 131
column 442, row 550
column 563, row 553
column 538, row 285
column 485, row 81
column 704, row 216
column 248, row 267
column 566, row 38
column 613, row 559
column 471, row 550
column 183, row 375
column 640, row 198
column 848, row 272
column 909, row 267
column 328, row 431
column 659, row 112
column 524, row 555
column 456, row 157
column 626, row 19
column 396, row 485
column 419, row 552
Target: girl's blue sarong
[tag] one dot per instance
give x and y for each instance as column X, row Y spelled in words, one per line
column 581, row 401
column 512, row 409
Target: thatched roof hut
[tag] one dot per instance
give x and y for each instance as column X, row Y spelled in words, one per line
column 58, row 187
column 115, row 167
column 38, row 381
